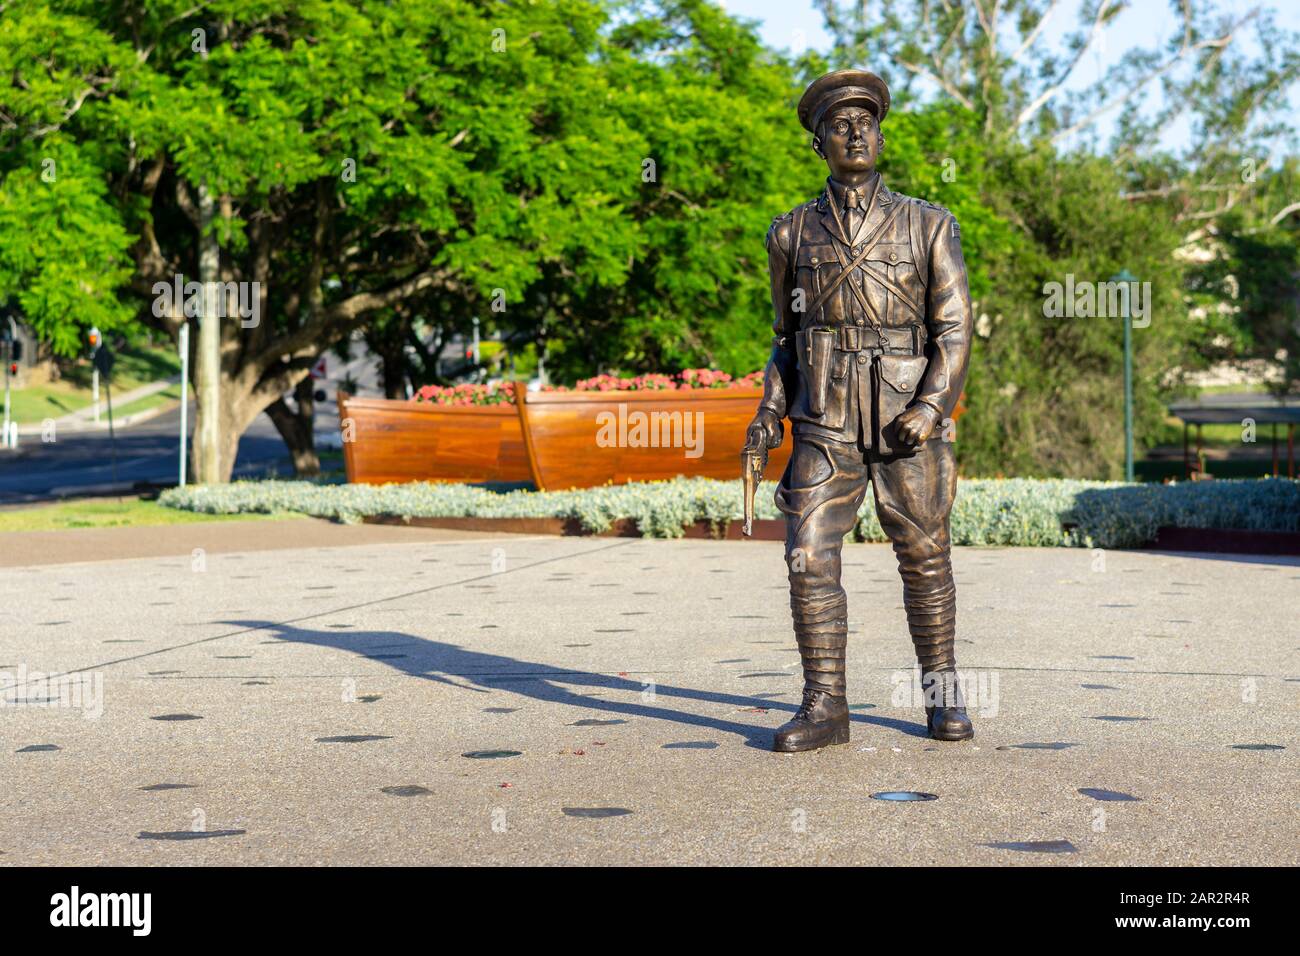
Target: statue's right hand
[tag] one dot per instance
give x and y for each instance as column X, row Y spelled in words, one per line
column 765, row 431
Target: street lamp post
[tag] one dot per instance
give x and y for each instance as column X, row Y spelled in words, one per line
column 184, row 346
column 1128, row 279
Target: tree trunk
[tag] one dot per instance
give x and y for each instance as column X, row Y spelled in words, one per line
column 209, row 433
column 393, row 368
column 296, row 428
column 231, row 420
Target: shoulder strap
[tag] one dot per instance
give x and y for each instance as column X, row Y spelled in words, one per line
column 920, row 257
column 797, row 238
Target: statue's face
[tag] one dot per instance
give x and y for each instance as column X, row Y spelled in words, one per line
column 849, row 140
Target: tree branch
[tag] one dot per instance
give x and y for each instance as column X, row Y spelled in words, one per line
column 1050, row 92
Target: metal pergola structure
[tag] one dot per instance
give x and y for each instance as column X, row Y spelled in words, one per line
column 1235, row 410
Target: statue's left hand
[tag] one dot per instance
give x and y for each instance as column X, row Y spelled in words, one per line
column 917, row 423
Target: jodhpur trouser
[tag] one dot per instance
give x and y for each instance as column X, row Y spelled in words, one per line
column 820, row 493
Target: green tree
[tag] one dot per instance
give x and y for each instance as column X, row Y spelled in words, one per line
column 358, row 155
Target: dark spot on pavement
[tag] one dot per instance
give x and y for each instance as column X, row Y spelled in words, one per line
column 177, row 717
column 351, row 739
column 1055, row 745
column 1258, row 747
column 189, row 834
column 491, row 754
column 692, row 745
column 38, row 748
column 406, row 790
column 1036, row 846
column 168, row 786
column 595, row 812
column 593, row 722
column 1112, row 796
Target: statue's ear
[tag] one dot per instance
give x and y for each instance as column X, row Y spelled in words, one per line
column 880, row 141
column 817, row 147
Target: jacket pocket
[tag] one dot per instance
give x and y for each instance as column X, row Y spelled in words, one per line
column 895, row 379
column 891, row 253
column 814, row 256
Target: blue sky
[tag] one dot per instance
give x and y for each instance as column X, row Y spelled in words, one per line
column 786, row 24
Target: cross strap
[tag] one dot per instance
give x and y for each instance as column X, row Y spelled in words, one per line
column 893, row 287
column 868, row 246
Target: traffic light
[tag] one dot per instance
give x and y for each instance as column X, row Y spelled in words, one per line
column 93, row 338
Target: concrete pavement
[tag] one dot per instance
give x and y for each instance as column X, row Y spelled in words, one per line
column 313, row 705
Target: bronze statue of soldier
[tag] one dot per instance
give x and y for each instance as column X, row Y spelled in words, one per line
column 872, row 340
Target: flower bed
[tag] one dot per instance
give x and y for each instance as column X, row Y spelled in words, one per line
column 503, row 393
column 1011, row 512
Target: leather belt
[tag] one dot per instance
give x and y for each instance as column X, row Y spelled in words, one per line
column 858, row 338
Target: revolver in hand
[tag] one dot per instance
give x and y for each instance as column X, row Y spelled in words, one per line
column 753, row 460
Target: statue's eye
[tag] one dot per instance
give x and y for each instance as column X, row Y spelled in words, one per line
column 841, row 127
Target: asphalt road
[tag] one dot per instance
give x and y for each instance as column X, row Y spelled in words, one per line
column 82, row 462
column 571, row 700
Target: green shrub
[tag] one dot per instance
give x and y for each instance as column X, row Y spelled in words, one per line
column 1021, row 512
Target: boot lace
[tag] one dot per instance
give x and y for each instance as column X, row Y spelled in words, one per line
column 810, row 698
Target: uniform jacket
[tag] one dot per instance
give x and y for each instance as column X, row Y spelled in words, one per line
column 911, row 285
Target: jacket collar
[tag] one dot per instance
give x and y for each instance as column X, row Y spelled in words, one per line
column 877, row 198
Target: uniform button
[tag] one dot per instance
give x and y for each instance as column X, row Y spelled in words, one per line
column 814, row 260
column 893, row 257
column 862, row 360
column 858, row 321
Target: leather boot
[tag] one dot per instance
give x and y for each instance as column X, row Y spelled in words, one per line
column 945, row 709
column 823, row 719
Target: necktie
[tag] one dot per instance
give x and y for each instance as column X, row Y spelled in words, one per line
column 853, row 219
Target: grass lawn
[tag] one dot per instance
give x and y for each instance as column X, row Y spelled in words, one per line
column 133, row 367
column 167, row 396
column 110, row 513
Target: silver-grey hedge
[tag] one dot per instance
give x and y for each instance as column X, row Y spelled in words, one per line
column 1014, row 511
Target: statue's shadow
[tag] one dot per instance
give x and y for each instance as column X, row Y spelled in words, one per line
column 481, row 673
